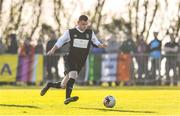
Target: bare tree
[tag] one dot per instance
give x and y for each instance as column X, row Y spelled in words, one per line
column 19, row 16
column 153, row 16
column 37, row 17
column 178, row 21
column 96, row 19
column 115, row 26
column 74, row 5
column 1, row 2
column 14, row 17
column 1, row 5
column 9, row 26
column 130, row 18
column 145, row 16
column 136, row 19
column 58, row 7
column 175, row 24
column 145, row 23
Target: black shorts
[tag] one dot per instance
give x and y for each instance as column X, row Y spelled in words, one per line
column 71, row 65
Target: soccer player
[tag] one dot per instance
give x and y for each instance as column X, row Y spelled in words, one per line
column 80, row 39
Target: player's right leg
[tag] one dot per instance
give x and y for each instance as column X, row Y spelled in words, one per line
column 55, row 85
column 71, row 99
column 72, row 77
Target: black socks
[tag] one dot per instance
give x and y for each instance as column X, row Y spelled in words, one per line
column 54, row 85
column 69, row 87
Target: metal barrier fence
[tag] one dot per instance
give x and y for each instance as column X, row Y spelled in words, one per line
column 127, row 69
column 136, row 69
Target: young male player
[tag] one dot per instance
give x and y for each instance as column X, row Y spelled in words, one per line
column 80, row 39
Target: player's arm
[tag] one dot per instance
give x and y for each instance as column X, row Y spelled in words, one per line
column 96, row 42
column 52, row 50
column 60, row 42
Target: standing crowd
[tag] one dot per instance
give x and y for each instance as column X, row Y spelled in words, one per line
column 148, row 56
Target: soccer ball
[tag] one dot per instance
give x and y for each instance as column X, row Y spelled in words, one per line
column 109, row 101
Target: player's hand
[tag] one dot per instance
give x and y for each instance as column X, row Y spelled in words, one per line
column 50, row 52
column 102, row 45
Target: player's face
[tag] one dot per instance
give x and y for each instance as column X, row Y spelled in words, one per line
column 82, row 25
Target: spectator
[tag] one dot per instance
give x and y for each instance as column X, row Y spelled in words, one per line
column 155, row 55
column 128, row 48
column 2, row 47
column 12, row 44
column 25, row 63
column 39, row 47
column 52, row 61
column 113, row 45
column 142, row 59
column 171, row 50
column 178, row 58
column 27, row 49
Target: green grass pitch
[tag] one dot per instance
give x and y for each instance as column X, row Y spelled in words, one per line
column 134, row 101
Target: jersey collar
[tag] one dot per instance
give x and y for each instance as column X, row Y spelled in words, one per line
column 77, row 27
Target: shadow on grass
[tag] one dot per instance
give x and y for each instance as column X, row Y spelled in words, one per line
column 19, row 106
column 114, row 110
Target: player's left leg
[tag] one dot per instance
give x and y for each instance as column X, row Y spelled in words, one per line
column 72, row 77
column 55, row 85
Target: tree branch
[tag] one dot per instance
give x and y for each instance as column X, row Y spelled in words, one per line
column 136, row 19
column 152, row 20
column 145, row 17
column 38, row 18
column 19, row 16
